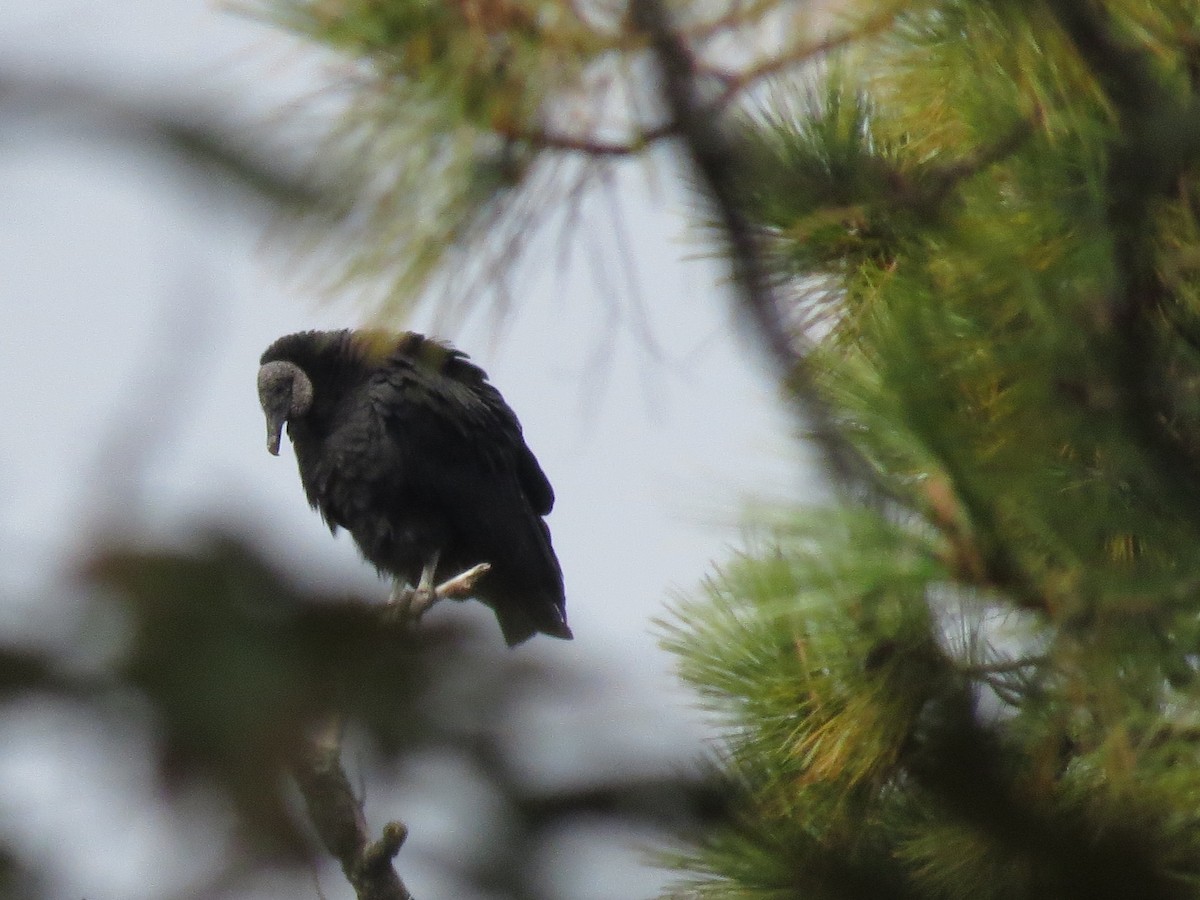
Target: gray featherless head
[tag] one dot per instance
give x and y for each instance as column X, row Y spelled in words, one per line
column 284, row 392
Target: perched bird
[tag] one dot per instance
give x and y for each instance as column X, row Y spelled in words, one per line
column 401, row 440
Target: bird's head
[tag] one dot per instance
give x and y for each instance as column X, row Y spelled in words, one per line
column 285, row 392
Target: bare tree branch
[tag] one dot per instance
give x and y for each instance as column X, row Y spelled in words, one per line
column 337, row 815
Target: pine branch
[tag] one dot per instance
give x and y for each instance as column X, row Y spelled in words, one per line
column 961, row 763
column 946, row 178
column 734, row 85
column 588, row 145
column 337, row 815
column 737, row 84
column 1124, row 73
column 1158, row 139
column 714, row 158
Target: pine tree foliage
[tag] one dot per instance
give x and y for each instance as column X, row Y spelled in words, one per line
column 444, row 102
column 985, row 217
column 816, row 662
column 469, row 123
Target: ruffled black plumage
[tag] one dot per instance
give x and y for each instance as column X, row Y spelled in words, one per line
column 406, row 445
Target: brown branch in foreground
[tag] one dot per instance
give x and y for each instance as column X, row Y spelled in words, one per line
column 566, row 142
column 1158, row 140
column 714, row 159
column 338, row 818
column 733, row 85
column 737, row 83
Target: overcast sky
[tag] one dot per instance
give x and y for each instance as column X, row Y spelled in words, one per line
column 116, row 271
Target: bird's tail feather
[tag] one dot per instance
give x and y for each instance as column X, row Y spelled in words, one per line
column 518, row 623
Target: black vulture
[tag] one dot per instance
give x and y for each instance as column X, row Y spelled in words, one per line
column 402, row 440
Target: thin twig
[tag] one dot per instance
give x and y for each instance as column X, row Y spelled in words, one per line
column 1002, row 667
column 737, row 83
column 945, row 179
column 634, row 145
column 737, row 16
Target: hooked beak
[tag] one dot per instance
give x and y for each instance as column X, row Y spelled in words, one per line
column 284, row 392
column 274, row 434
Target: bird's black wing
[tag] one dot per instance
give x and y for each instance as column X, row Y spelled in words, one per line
column 533, row 480
column 458, row 451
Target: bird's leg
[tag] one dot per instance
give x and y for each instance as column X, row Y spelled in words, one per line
column 400, row 599
column 424, row 595
column 411, row 603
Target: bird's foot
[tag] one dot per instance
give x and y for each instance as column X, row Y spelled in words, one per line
column 410, row 603
column 420, row 599
column 462, row 585
column 406, row 603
